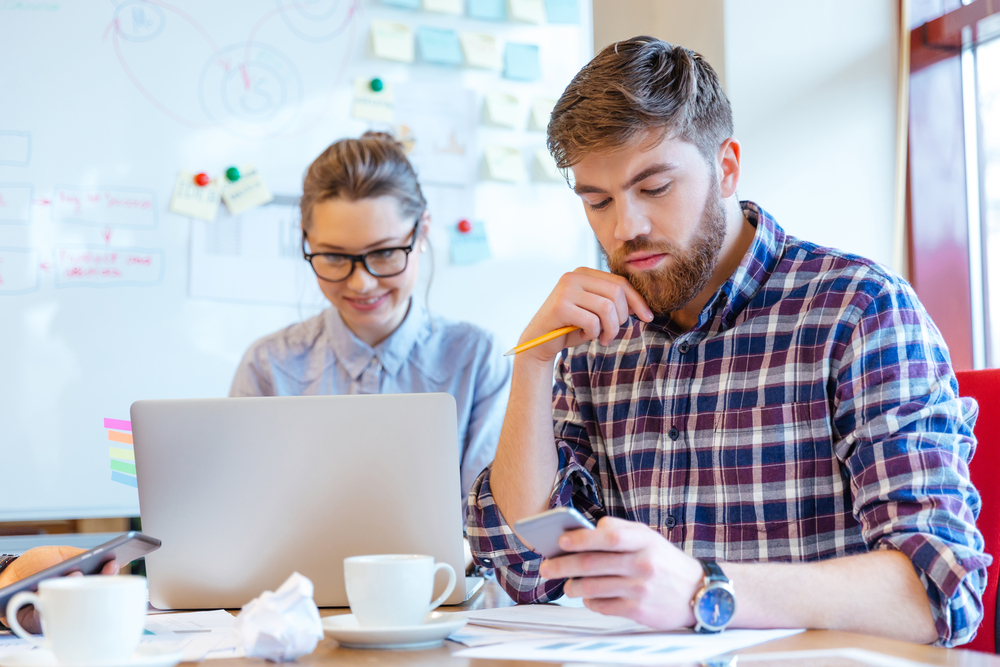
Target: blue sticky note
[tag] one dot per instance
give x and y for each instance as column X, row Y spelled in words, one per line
column 488, row 10
column 562, row 11
column 469, row 247
column 521, row 62
column 439, row 46
column 405, row 4
column 127, row 480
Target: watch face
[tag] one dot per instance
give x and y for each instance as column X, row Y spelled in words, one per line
column 716, row 607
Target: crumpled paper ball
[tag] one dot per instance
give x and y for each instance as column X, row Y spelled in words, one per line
column 282, row 625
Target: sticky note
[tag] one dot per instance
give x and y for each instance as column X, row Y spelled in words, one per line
column 501, row 110
column 372, row 105
column 120, row 424
column 405, row 4
column 196, row 201
column 562, row 11
column 541, row 111
column 468, row 247
column 124, row 479
column 529, row 11
column 392, row 41
column 118, row 436
column 122, row 466
column 488, row 10
column 444, row 6
column 246, row 193
column 481, row 50
column 521, row 62
column 504, row 164
column 439, row 45
column 545, row 168
column 121, row 453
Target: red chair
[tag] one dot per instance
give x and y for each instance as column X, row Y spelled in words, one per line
column 984, row 386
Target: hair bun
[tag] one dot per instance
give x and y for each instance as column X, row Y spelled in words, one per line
column 372, row 135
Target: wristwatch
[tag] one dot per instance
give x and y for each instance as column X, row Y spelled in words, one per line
column 5, row 560
column 715, row 602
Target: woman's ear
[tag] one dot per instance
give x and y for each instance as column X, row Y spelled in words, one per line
column 425, row 229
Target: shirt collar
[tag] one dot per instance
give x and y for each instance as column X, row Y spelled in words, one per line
column 758, row 263
column 355, row 354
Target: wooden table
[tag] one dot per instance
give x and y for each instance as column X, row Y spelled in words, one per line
column 329, row 654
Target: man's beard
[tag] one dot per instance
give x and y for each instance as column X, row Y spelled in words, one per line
column 669, row 288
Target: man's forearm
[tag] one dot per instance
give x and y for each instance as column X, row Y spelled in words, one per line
column 877, row 593
column 526, row 461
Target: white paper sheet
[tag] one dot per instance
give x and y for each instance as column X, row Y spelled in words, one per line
column 635, row 649
column 478, row 635
column 554, row 618
column 202, row 634
column 838, row 657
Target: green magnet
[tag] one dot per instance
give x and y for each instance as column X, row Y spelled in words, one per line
column 233, row 174
column 377, row 85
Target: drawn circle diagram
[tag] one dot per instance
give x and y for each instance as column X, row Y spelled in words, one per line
column 253, row 90
column 317, row 20
column 139, row 21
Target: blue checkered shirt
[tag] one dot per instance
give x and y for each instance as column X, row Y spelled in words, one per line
column 811, row 413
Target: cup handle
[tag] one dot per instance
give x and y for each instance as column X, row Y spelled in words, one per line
column 448, row 589
column 15, row 604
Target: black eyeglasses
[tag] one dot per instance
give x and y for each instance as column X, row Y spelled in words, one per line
column 382, row 263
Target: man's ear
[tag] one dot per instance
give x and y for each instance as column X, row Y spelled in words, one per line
column 727, row 167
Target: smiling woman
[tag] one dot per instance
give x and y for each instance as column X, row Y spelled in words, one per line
column 364, row 230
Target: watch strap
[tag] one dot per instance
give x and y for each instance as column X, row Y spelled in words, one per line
column 712, row 571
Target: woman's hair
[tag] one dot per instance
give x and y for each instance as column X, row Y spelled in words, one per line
column 372, row 166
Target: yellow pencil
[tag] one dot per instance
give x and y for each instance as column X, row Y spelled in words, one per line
column 535, row 342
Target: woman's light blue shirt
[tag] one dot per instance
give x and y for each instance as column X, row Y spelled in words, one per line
column 321, row 356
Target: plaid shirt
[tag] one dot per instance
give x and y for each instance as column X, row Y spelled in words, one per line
column 811, row 413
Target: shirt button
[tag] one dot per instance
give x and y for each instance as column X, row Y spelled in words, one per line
column 485, row 561
column 671, row 521
column 683, row 348
column 674, row 433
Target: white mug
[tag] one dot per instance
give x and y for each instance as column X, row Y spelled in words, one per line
column 90, row 619
column 393, row 590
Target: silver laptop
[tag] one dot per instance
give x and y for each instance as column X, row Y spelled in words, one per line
column 244, row 491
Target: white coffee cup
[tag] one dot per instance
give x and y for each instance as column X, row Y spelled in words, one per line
column 91, row 619
column 393, row 590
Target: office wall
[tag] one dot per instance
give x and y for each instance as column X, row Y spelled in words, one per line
column 813, row 88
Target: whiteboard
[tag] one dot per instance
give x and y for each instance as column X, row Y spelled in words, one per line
column 106, row 297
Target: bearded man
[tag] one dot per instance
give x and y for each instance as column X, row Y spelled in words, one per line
column 767, row 432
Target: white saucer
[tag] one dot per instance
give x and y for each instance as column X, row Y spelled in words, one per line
column 144, row 656
column 430, row 633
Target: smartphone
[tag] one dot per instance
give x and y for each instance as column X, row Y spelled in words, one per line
column 124, row 549
column 541, row 532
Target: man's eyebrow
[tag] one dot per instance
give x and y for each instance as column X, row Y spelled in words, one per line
column 638, row 178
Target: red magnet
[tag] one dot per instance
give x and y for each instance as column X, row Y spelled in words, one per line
column 464, row 226
column 202, row 179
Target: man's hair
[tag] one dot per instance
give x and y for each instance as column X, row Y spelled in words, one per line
column 373, row 166
column 635, row 86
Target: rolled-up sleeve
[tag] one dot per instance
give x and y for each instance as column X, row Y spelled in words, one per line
column 493, row 542
column 906, row 440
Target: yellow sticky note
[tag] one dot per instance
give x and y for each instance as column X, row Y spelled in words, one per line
column 247, row 192
column 370, row 104
column 504, row 164
column 443, row 6
column 121, row 453
column 196, row 201
column 392, row 41
column 545, row 168
column 541, row 111
column 502, row 110
column 480, row 50
column 529, row 11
